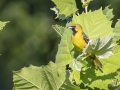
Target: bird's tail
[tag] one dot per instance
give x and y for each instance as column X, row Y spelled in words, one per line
column 96, row 62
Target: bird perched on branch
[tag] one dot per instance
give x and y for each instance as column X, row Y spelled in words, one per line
column 80, row 41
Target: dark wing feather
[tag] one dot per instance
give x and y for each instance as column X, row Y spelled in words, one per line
column 85, row 37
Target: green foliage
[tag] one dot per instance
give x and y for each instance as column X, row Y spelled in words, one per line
column 108, row 12
column 97, row 26
column 60, row 16
column 117, row 31
column 67, row 84
column 48, row 77
column 64, row 8
column 59, row 29
column 94, row 24
column 76, row 65
column 100, row 47
column 64, row 53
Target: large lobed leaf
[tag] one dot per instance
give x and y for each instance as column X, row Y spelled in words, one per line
column 64, row 54
column 94, row 24
column 48, row 77
column 65, row 7
column 100, row 47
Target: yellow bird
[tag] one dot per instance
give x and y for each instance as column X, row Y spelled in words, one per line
column 80, row 41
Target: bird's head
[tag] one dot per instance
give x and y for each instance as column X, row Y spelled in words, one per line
column 75, row 28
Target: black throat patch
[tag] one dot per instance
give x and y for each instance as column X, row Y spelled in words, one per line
column 73, row 30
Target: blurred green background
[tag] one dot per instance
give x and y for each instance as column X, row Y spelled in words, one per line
column 29, row 37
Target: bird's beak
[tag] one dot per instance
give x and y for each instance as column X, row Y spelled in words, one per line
column 70, row 27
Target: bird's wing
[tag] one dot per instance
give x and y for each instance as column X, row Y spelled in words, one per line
column 85, row 37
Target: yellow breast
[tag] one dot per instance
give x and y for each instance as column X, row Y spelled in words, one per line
column 78, row 41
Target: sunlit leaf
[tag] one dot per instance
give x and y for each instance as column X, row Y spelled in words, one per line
column 76, row 65
column 48, row 77
column 100, row 47
column 65, row 7
column 64, row 54
column 101, row 78
column 116, row 49
column 75, row 77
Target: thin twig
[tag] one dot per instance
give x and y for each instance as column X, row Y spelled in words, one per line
column 86, row 7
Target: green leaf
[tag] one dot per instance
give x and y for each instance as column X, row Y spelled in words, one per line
column 65, row 53
column 108, row 12
column 68, row 85
column 116, row 49
column 48, row 77
column 100, row 47
column 75, row 77
column 60, row 16
column 94, row 24
column 117, row 30
column 59, row 29
column 2, row 25
column 76, row 65
column 101, row 78
column 65, row 7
